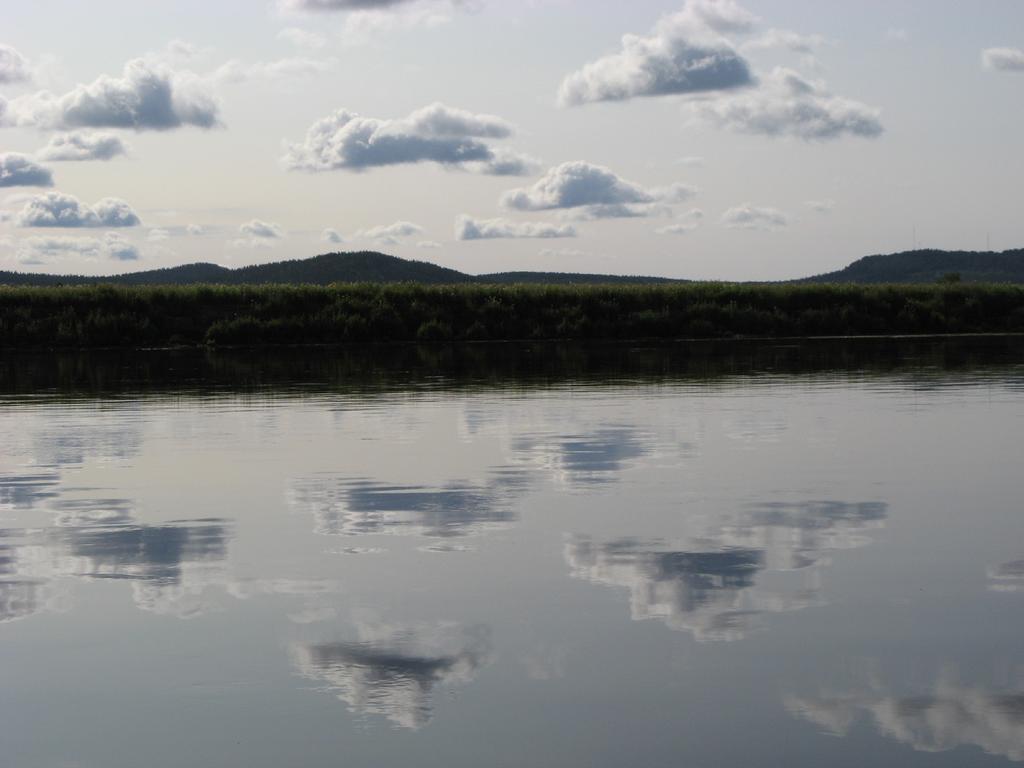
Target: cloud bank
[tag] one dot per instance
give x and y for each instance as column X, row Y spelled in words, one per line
column 258, row 234
column 83, row 145
column 56, row 209
column 148, row 96
column 390, row 234
column 747, row 216
column 41, row 250
column 468, row 228
column 437, row 133
column 592, row 192
column 683, row 55
column 790, row 105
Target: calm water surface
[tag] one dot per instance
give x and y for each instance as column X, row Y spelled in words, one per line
column 703, row 556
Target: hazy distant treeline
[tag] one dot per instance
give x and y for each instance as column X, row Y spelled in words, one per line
column 107, row 316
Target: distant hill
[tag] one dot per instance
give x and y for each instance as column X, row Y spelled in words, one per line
column 564, row 278
column 360, row 267
column 928, row 266
column 924, row 266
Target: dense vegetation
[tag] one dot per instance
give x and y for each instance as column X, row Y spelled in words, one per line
column 372, row 267
column 96, row 316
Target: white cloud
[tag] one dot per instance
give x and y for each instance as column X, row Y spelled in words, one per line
column 147, row 96
column 437, row 133
column 56, row 209
column 747, row 216
column 41, row 250
column 83, row 145
column 195, row 230
column 468, row 228
column 688, row 222
column 591, row 191
column 116, row 246
column 258, row 234
column 428, row 244
column 37, row 250
column 787, row 104
column 14, row 67
column 685, row 54
column 897, row 34
column 17, row 170
column 302, row 38
column 1003, row 59
column 390, row 234
column 331, row 236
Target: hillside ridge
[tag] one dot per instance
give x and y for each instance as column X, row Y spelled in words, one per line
column 920, row 266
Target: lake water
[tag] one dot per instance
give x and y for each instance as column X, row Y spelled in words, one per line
column 701, row 555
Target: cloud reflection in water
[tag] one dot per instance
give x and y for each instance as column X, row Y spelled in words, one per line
column 393, row 671
column 708, row 586
column 950, row 716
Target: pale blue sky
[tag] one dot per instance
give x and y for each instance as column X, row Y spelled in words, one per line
column 727, row 140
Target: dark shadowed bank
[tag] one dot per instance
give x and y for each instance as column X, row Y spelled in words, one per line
column 106, row 316
column 922, row 362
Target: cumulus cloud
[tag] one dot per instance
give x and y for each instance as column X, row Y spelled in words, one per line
column 13, row 66
column 40, row 250
column 147, row 96
column 685, row 54
column 83, row 145
column 467, row 228
column 437, row 133
column 56, row 209
column 428, row 244
column 195, row 230
column 331, row 236
column 593, row 192
column 790, row 105
column 116, row 246
column 747, row 216
column 390, row 234
column 688, row 222
column 1003, row 59
column 18, row 170
column 258, row 234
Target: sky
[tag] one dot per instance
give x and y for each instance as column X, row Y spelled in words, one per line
column 705, row 139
